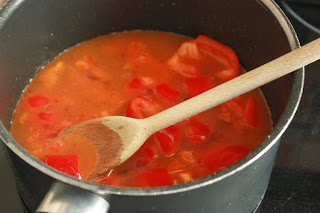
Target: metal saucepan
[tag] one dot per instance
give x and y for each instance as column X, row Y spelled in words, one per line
column 32, row 32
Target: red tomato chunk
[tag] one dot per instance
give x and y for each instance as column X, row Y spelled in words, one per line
column 221, row 52
column 138, row 74
column 168, row 139
column 46, row 116
column 198, row 85
column 144, row 156
column 167, row 92
column 67, row 164
column 136, row 84
column 197, row 130
column 142, row 107
column 221, row 157
column 251, row 113
column 151, row 178
column 38, row 100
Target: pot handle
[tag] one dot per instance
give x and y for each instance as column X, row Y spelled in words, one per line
column 63, row 198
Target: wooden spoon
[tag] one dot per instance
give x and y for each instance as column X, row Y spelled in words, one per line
column 116, row 138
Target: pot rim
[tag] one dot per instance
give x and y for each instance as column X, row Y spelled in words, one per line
column 287, row 116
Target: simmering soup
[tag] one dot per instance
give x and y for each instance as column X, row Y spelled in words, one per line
column 138, row 74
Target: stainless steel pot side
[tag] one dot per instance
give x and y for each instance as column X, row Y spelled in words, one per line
column 32, row 32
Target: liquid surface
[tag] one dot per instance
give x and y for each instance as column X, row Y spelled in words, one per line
column 138, row 74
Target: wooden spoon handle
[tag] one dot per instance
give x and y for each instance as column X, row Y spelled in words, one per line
column 235, row 87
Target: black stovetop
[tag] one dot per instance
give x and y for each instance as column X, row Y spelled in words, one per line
column 295, row 179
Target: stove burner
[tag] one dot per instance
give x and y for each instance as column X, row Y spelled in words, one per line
column 299, row 18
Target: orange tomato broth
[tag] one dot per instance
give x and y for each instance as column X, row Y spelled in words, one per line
column 137, row 74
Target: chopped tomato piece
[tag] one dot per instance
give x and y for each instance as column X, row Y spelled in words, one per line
column 169, row 139
column 236, row 106
column 231, row 110
column 184, row 177
column 38, row 100
column 167, row 92
column 67, row 164
column 136, row 84
column 47, row 121
column 222, row 53
column 197, row 130
column 226, row 74
column 46, row 124
column 136, row 49
column 225, row 113
column 144, row 156
column 50, row 77
column 151, row 178
column 178, row 173
column 136, row 54
column 175, row 167
column 141, row 107
column 189, row 49
column 92, row 70
column 188, row 157
column 86, row 62
column 184, row 69
column 251, row 113
column 219, row 158
column 198, row 85
column 46, row 116
column 112, row 179
column 148, row 81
